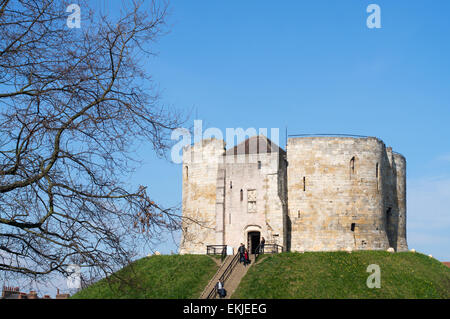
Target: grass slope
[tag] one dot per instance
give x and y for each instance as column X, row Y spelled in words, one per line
column 343, row 275
column 165, row 277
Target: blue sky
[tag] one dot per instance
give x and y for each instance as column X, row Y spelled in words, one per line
column 315, row 67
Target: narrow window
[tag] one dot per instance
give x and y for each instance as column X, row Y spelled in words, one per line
column 388, row 212
column 299, row 215
column 304, row 183
column 231, row 184
column 352, row 227
column 352, row 166
column 259, row 164
column 377, row 176
column 186, row 172
column 242, row 195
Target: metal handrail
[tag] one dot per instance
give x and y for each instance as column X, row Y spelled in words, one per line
column 275, row 249
column 212, row 249
column 224, row 276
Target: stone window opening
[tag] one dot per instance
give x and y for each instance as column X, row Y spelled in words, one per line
column 352, row 227
column 242, row 195
column 388, row 212
column 377, row 174
column 304, row 183
column 231, row 184
column 352, row 166
column 299, row 215
column 259, row 164
column 186, row 172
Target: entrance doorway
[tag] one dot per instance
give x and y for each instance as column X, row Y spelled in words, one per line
column 253, row 241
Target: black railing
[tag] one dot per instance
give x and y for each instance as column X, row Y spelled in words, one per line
column 224, row 277
column 217, row 250
column 268, row 249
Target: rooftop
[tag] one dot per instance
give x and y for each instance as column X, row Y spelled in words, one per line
column 258, row 144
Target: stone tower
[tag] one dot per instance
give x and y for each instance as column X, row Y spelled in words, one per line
column 202, row 202
column 321, row 194
column 345, row 192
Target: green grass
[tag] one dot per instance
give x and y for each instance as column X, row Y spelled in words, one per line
column 343, row 275
column 287, row 275
column 165, row 277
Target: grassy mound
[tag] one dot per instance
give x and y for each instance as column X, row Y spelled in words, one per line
column 344, row 275
column 165, row 277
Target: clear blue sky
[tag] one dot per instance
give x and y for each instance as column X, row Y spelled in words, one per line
column 315, row 67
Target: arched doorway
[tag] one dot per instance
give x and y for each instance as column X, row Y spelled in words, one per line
column 253, row 240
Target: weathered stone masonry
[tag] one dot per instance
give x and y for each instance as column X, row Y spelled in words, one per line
column 322, row 194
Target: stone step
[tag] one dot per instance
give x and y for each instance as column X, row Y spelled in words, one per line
column 236, row 276
column 216, row 277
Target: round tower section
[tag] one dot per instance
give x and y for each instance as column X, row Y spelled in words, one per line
column 335, row 193
column 400, row 172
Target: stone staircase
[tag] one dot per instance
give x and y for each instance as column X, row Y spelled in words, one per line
column 216, row 277
column 231, row 283
column 236, row 276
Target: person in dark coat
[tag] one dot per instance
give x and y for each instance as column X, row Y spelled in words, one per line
column 241, row 251
column 221, row 289
column 261, row 246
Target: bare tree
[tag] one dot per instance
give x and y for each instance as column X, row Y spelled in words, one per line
column 74, row 104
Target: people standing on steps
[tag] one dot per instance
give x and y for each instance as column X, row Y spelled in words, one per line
column 241, row 251
column 246, row 258
column 221, row 289
column 261, row 246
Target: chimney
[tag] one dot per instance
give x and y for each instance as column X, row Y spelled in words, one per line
column 9, row 291
column 61, row 296
column 22, row 295
column 32, row 295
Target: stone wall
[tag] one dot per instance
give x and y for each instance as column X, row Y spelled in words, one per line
column 400, row 166
column 335, row 194
column 245, row 176
column 201, row 171
column 322, row 194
